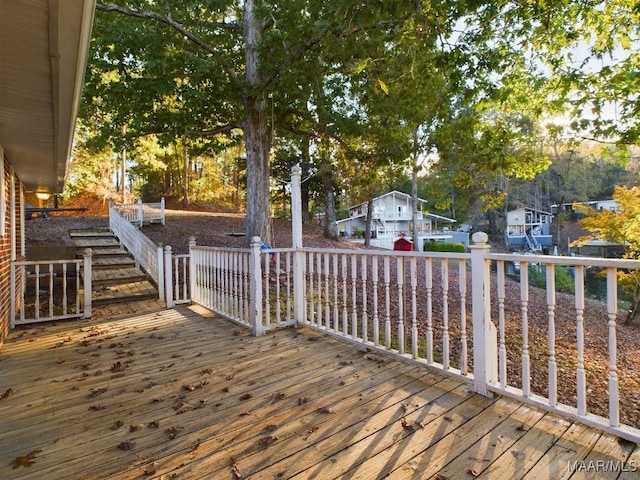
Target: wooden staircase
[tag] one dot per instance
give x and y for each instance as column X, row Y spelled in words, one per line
column 115, row 277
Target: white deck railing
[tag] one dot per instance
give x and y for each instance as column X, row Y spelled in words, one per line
column 49, row 290
column 147, row 254
column 446, row 311
column 142, row 213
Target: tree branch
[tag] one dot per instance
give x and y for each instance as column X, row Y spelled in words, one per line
column 170, row 22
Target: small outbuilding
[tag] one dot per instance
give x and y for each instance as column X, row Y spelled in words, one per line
column 403, row 244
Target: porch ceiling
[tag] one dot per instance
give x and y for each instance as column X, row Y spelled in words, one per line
column 43, row 52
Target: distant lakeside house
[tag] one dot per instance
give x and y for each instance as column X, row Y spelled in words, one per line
column 391, row 219
column 529, row 229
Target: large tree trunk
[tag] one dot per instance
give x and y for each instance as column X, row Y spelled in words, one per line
column 330, row 225
column 304, row 187
column 368, row 221
column 185, row 170
column 257, row 134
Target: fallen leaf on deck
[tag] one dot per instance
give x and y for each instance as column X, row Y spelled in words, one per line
column 97, row 391
column 154, row 424
column 95, row 408
column 117, row 367
column 326, row 410
column 235, row 469
column 303, row 400
column 205, row 371
column 246, row 396
column 270, row 428
column 268, row 440
column 7, row 393
column 150, row 470
column 172, row 432
column 127, row 445
column 135, row 428
column 26, row 460
column 117, row 425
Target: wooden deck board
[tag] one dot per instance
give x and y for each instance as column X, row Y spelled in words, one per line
column 198, row 397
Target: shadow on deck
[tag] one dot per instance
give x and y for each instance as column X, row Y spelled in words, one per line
column 184, row 394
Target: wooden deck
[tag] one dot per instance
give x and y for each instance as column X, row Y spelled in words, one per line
column 183, row 394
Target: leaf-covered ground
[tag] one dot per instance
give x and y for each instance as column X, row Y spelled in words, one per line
column 226, row 229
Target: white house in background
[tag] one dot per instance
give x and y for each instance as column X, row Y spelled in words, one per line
column 391, row 219
column 529, row 229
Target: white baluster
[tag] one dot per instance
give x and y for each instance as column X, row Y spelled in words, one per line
column 524, row 300
column 374, row 277
column 462, row 274
column 319, row 308
column 428, row 275
column 445, row 313
column 51, row 275
column 551, row 307
column 502, row 350
column 354, row 297
column 414, row 317
column 387, row 299
column 311, row 300
column 581, row 382
column 336, row 287
column 363, row 278
column 345, row 315
column 327, row 300
column 612, row 312
column 400, row 276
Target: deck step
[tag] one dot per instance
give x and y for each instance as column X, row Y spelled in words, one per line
column 107, row 293
column 112, row 261
column 91, row 233
column 114, row 275
column 97, row 243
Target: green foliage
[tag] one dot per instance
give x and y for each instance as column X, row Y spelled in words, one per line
column 564, row 282
column 444, row 247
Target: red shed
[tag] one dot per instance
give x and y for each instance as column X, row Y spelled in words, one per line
column 403, row 244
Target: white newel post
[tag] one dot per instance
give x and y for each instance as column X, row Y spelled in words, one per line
column 485, row 366
column 192, row 269
column 162, row 210
column 87, row 283
column 168, row 276
column 161, row 279
column 140, row 212
column 255, row 288
column 298, row 255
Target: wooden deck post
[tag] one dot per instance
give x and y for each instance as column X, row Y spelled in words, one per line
column 140, row 212
column 298, row 255
column 161, row 272
column 484, row 331
column 87, row 283
column 192, row 268
column 255, row 288
column 168, row 275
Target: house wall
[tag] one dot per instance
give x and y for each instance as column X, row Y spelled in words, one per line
column 5, row 250
column 11, row 238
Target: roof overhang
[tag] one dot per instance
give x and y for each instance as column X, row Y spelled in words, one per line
column 43, row 53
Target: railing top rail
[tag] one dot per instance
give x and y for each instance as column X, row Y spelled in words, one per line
column 570, row 261
column 387, row 253
column 20, row 263
column 221, row 249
